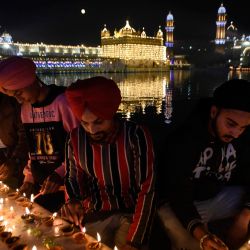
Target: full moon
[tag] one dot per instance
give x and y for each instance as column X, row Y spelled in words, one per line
column 83, row 11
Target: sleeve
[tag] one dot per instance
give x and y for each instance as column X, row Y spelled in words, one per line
column 71, row 177
column 145, row 178
column 20, row 151
column 69, row 120
column 181, row 153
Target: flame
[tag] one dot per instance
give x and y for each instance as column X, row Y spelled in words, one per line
column 83, row 230
column 32, row 198
column 11, row 209
column 34, row 248
column 54, row 215
column 27, row 211
column 98, row 237
column 115, row 248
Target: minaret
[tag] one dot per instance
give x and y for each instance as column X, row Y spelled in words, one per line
column 169, row 35
column 221, row 26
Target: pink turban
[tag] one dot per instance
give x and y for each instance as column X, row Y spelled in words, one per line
column 99, row 94
column 17, row 73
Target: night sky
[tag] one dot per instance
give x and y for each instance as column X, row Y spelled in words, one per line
column 61, row 21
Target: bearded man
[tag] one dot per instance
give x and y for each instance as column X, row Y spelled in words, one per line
column 205, row 174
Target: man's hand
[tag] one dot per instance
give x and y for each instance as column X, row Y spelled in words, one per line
column 238, row 232
column 211, row 242
column 73, row 212
column 4, row 172
column 51, row 184
column 208, row 241
column 128, row 247
column 27, row 188
column 7, row 169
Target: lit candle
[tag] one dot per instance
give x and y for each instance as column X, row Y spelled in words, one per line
column 12, row 212
column 34, row 248
column 95, row 244
column 27, row 211
column 83, row 230
column 115, row 248
column 54, row 215
column 24, row 195
column 32, row 198
column 17, row 190
column 28, row 217
column 98, row 238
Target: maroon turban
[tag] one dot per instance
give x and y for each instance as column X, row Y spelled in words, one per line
column 17, row 73
column 99, row 94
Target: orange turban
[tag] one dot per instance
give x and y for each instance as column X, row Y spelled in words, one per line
column 99, row 94
column 17, row 73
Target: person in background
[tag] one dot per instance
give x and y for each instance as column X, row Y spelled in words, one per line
column 47, row 119
column 109, row 168
column 206, row 174
column 13, row 145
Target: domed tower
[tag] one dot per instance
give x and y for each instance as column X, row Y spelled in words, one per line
column 159, row 33
column 221, row 26
column 105, row 32
column 169, row 34
column 6, row 38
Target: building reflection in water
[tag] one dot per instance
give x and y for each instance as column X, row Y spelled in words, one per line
column 141, row 92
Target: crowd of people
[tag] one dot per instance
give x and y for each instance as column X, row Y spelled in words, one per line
column 70, row 148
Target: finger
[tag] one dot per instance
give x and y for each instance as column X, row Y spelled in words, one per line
column 212, row 244
column 43, row 186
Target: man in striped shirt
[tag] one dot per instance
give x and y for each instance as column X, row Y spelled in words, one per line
column 109, row 168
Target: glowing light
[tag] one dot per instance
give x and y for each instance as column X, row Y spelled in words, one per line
column 27, row 211
column 83, row 11
column 98, row 237
column 34, row 248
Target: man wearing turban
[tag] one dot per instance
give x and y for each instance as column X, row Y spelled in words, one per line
column 109, row 167
column 47, row 118
column 206, row 174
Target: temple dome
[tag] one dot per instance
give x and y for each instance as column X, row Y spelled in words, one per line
column 159, row 33
column 143, row 34
column 127, row 30
column 105, row 32
column 222, row 9
column 170, row 17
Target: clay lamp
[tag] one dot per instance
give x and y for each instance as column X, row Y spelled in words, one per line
column 80, row 237
column 13, row 195
column 28, row 217
column 20, row 247
column 5, row 235
column 67, row 230
column 12, row 240
column 49, row 220
column 95, row 244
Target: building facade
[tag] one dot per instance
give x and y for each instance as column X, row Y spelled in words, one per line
column 133, row 47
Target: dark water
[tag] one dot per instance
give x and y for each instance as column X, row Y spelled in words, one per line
column 159, row 94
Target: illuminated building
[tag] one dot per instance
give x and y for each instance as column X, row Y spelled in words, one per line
column 221, row 25
column 133, row 47
column 169, row 35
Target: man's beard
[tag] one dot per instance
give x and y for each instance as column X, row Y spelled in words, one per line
column 99, row 137
column 216, row 132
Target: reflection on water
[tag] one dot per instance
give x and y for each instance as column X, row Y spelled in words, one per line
column 158, row 90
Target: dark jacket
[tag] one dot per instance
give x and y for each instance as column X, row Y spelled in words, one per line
column 12, row 135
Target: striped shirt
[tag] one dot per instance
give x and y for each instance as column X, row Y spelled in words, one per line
column 120, row 175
